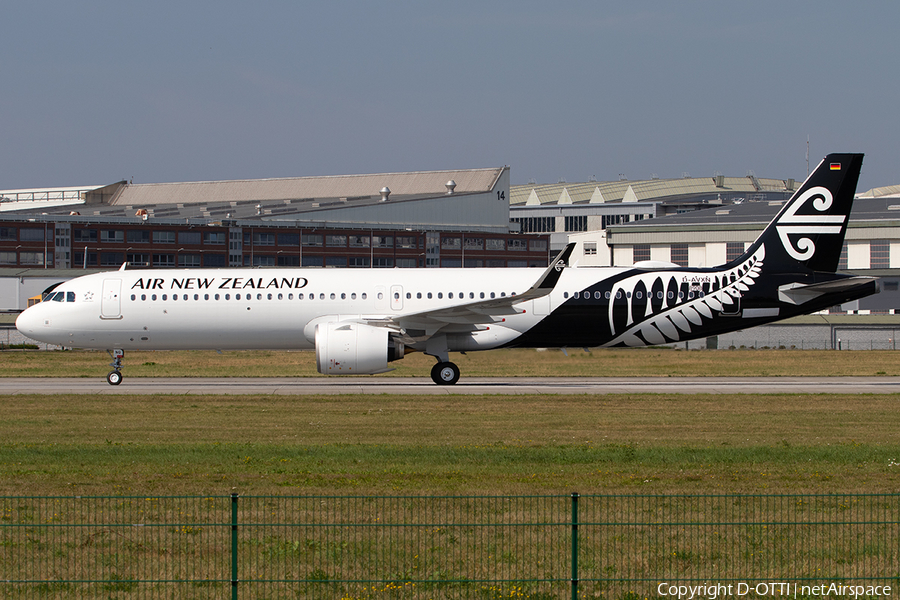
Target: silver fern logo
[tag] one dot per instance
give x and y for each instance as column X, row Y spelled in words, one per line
column 674, row 314
column 791, row 224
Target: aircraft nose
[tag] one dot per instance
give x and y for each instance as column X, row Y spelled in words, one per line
column 28, row 322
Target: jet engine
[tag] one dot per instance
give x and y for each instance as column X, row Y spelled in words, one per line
column 346, row 348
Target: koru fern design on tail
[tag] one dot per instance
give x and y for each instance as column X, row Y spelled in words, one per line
column 664, row 306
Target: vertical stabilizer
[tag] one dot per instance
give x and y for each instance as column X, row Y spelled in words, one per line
column 808, row 232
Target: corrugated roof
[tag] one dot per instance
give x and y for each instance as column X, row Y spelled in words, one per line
column 653, row 189
column 342, row 186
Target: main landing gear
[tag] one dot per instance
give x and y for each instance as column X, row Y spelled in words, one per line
column 114, row 377
column 445, row 373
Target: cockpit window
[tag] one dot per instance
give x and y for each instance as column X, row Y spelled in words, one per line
column 70, row 296
column 58, row 297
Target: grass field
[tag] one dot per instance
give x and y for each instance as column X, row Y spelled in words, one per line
column 457, row 445
column 643, row 362
column 140, row 447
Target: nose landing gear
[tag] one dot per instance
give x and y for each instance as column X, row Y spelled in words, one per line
column 114, row 377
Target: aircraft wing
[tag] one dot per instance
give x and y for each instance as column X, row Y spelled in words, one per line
column 480, row 311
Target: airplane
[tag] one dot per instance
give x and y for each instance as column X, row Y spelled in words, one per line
column 360, row 321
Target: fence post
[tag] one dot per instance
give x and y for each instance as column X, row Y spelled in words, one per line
column 574, row 545
column 234, row 540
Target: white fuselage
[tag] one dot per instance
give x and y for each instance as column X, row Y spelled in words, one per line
column 277, row 308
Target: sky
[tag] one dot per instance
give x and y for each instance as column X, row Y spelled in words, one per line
column 95, row 92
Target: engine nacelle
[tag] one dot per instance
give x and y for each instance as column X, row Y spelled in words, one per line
column 346, row 348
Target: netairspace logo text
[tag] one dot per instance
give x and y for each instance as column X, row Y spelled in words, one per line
column 768, row 588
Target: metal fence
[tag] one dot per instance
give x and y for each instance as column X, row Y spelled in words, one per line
column 538, row 547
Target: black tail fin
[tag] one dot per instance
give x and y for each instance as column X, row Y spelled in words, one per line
column 808, row 232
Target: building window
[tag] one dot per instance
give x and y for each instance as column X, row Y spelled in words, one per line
column 451, row 262
column 406, row 241
column 359, row 261
column 8, row 258
column 288, row 261
column 383, row 241
column 518, row 245
column 163, row 237
column 138, row 236
column 111, row 236
column 607, row 220
column 337, row 241
column 679, row 254
column 359, row 241
column 189, row 238
column 164, row 260
column 590, row 248
column 842, row 261
column 188, row 260
column 312, row 261
column 215, row 260
column 495, row 244
column 84, row 235
column 541, row 245
column 383, row 262
column 576, row 223
column 140, row 260
column 214, row 238
column 311, row 239
column 733, row 250
column 263, row 239
column 263, row 261
column 31, row 234
column 7, row 234
column 336, row 261
column 406, row 263
column 641, row 252
column 879, row 254
column 111, row 259
column 451, row 243
column 536, row 224
column 288, row 239
column 78, row 259
column 31, row 258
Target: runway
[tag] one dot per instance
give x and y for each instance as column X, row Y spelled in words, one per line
column 466, row 386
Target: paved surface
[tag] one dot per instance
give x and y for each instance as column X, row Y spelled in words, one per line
column 467, row 385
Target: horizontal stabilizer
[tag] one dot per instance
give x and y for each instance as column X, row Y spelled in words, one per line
column 800, row 293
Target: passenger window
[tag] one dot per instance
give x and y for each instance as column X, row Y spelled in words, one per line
column 565, row 294
column 143, row 297
column 258, row 296
column 364, row 296
column 408, row 296
column 429, row 295
column 450, row 295
column 596, row 295
column 164, row 297
column 153, row 297
column 290, row 296
column 492, row 294
column 216, row 296
column 197, row 296
column 228, row 296
column 133, row 297
column 321, row 296
column 418, row 295
column 238, row 297
column 280, row 296
column 440, row 295
column 353, row 296
column 396, row 295
column 343, row 296
column 606, row 295
column 472, row 295
column 206, row 296
column 482, row 294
